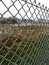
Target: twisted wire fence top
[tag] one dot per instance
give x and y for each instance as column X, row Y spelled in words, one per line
column 24, row 33
column 25, row 10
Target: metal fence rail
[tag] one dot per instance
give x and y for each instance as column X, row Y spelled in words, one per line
column 24, row 33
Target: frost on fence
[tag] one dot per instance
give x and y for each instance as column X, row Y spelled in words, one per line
column 24, row 33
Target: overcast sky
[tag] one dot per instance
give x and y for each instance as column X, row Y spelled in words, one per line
column 18, row 6
column 45, row 2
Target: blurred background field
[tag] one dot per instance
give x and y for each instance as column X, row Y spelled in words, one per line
column 26, row 44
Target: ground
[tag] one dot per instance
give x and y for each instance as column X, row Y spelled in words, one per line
column 24, row 44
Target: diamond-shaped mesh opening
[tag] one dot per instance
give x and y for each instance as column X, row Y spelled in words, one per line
column 25, row 8
column 22, row 14
column 34, row 15
column 18, row 16
column 18, row 5
column 8, row 3
column 2, row 8
column 32, row 10
column 29, row 14
column 41, row 13
column 7, row 15
column 36, row 11
column 13, row 10
column 25, row 17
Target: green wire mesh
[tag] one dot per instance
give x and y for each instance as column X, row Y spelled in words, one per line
column 24, row 40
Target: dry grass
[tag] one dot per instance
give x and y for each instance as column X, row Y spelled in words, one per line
column 23, row 33
column 33, row 33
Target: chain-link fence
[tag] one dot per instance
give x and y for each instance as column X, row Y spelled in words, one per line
column 24, row 33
